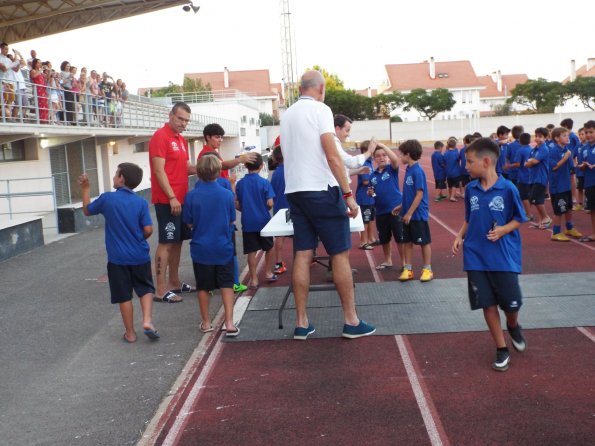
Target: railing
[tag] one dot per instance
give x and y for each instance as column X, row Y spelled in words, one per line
column 42, row 105
column 17, row 189
column 197, row 97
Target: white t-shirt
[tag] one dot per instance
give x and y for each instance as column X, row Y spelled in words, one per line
column 302, row 125
column 351, row 162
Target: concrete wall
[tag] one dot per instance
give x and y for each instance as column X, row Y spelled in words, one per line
column 20, row 237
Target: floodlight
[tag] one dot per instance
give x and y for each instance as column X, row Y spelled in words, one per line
column 190, row 7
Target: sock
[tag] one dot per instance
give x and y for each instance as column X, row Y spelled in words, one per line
column 236, row 271
column 556, row 230
column 569, row 225
column 428, row 267
column 502, row 349
column 409, row 267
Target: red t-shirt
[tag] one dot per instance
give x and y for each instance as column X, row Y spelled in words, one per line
column 172, row 147
column 207, row 149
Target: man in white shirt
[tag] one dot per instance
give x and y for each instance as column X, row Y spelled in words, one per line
column 353, row 163
column 320, row 202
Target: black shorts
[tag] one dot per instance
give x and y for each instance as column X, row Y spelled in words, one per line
column 580, row 183
column 211, row 277
column 417, row 232
column 537, row 194
column 561, row 202
column 387, row 225
column 453, row 182
column 524, row 190
column 368, row 212
column 440, row 184
column 253, row 242
column 465, row 179
column 514, row 181
column 170, row 227
column 589, row 199
column 489, row 288
column 125, row 278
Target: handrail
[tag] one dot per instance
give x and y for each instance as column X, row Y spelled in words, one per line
column 8, row 194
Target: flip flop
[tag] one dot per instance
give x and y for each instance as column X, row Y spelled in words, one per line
column 383, row 266
column 253, row 287
column 366, row 247
column 273, row 278
column 152, row 334
column 207, row 330
column 125, row 339
column 232, row 334
column 169, row 297
column 586, row 239
column 184, row 288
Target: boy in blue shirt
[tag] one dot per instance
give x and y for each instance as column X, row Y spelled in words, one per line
column 254, row 199
column 559, row 157
column 453, row 173
column 279, row 202
column 587, row 165
column 128, row 225
column 465, row 177
column 503, row 135
column 492, row 247
column 521, row 156
column 365, row 201
column 580, row 175
column 209, row 210
column 510, row 167
column 439, row 169
column 538, row 170
column 414, row 212
column 384, row 187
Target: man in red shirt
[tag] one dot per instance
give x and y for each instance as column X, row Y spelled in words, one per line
column 213, row 134
column 170, row 168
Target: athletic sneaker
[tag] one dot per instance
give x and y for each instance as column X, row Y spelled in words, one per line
column 559, row 237
column 426, row 275
column 239, row 287
column 577, row 207
column 573, row 233
column 518, row 340
column 280, row 268
column 502, row 360
column 357, row 331
column 406, row 275
column 301, row 333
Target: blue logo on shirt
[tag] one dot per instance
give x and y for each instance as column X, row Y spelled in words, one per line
column 497, row 204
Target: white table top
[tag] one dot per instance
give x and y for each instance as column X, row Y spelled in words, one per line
column 278, row 227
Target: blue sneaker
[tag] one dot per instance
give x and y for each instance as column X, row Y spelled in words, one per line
column 357, row 331
column 301, row 333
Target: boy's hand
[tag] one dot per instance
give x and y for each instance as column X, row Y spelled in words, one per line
column 495, row 234
column 456, row 246
column 407, row 218
column 396, row 210
column 84, row 181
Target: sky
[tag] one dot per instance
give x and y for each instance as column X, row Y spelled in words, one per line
column 353, row 40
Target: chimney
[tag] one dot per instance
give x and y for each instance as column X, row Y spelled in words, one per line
column 432, row 68
column 499, row 80
column 572, row 70
column 225, row 77
column 369, row 92
column 590, row 63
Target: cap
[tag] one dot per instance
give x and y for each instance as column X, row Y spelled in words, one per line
column 277, row 141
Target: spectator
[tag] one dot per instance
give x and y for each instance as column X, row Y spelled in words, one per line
column 39, row 79
column 66, row 82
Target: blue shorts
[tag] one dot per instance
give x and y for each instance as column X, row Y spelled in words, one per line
column 489, row 288
column 320, row 215
column 368, row 212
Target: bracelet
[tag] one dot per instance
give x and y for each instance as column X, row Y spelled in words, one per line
column 348, row 194
column 171, row 198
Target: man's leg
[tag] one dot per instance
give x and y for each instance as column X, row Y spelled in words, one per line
column 162, row 263
column 343, row 278
column 301, row 284
column 174, row 266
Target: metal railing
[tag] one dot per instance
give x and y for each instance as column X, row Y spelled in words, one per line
column 198, row 97
column 17, row 189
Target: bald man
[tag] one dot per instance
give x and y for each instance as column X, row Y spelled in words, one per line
column 320, row 202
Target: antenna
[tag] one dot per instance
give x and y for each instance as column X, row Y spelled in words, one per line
column 287, row 57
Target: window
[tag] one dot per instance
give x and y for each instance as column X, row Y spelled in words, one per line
column 242, row 131
column 257, row 132
column 251, row 121
column 140, row 147
column 244, row 119
column 12, row 151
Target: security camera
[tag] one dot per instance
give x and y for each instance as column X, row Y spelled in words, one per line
column 190, row 7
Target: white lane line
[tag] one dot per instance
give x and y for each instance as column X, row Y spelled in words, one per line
column 375, row 273
column 444, row 225
column 182, row 418
column 587, row 333
column 422, row 402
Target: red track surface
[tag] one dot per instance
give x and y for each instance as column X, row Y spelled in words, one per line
column 386, row 390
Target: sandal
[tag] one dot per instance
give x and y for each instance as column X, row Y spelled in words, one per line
column 273, row 278
column 366, row 247
column 383, row 266
column 586, row 239
column 184, row 288
column 233, row 333
column 168, row 297
column 202, row 329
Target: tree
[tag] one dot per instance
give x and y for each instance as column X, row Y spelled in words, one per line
column 188, row 86
column 429, row 104
column 266, row 119
column 332, row 81
column 539, row 95
column 349, row 103
column 502, row 109
column 583, row 88
column 384, row 104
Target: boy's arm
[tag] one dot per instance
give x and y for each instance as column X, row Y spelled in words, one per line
column 147, row 231
column 532, row 162
column 562, row 161
column 456, row 246
column 85, row 191
column 418, row 197
column 394, row 159
column 269, row 203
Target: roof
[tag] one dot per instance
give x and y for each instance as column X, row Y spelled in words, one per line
column 24, row 20
column 509, row 81
column 449, row 75
column 583, row 71
column 248, row 81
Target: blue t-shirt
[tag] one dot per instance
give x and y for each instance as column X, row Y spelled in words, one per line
column 559, row 179
column 278, row 185
column 579, row 158
column 573, row 143
column 415, row 179
column 539, row 172
column 513, row 148
column 438, row 166
column 386, row 186
column 502, row 158
column 451, row 157
column 253, row 191
column 521, row 156
column 463, row 162
column 126, row 214
column 589, row 156
column 363, row 181
column 209, row 208
column 483, row 208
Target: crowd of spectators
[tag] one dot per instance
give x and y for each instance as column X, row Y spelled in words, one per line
column 34, row 91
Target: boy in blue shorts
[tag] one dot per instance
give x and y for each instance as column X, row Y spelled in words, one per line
column 559, row 159
column 416, row 230
column 580, row 175
column 587, row 165
column 365, row 201
column 453, row 172
column 510, row 167
column 128, row 225
column 439, row 170
column 538, row 170
column 491, row 245
column 254, row 199
column 503, row 135
column 521, row 156
column 384, row 187
column 209, row 211
column 279, row 202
